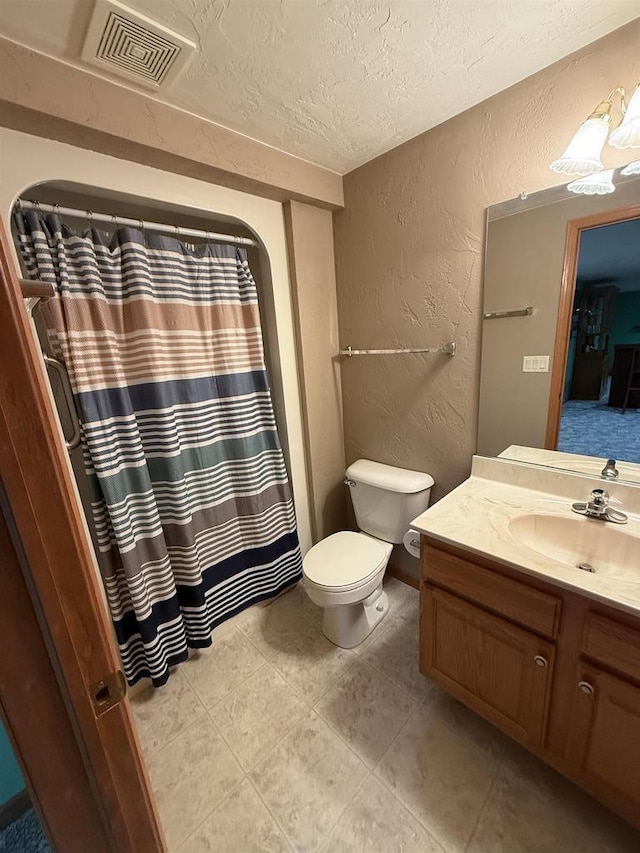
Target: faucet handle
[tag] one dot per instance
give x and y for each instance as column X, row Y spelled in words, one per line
column 610, row 472
column 599, row 497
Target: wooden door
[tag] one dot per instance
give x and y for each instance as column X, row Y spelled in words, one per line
column 605, row 737
column 59, row 571
column 499, row 670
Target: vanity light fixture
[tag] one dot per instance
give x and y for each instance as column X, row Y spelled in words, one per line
column 600, row 183
column 583, row 154
column 631, row 169
column 627, row 135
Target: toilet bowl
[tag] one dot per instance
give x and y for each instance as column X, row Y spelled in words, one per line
column 343, row 573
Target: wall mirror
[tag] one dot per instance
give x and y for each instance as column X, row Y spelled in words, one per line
column 560, row 371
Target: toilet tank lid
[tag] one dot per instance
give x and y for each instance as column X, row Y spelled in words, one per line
column 387, row 477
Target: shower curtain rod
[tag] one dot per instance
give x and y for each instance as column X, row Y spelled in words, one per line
column 134, row 223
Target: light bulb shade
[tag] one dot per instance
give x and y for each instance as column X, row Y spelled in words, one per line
column 631, row 169
column 583, row 152
column 627, row 135
column 599, row 184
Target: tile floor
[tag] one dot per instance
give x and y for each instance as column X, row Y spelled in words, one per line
column 275, row 740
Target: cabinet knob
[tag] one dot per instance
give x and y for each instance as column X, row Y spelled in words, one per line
column 586, row 687
column 540, row 661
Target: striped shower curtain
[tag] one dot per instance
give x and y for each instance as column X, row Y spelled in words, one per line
column 190, row 496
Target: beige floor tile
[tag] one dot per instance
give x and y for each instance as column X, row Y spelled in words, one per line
column 402, row 597
column 464, row 722
column 598, row 828
column 517, row 819
column 273, row 628
column 308, row 780
column 367, row 710
column 411, row 613
column 240, row 824
column 257, row 714
column 161, row 713
column 376, row 822
column 312, row 664
column 215, row 672
column 441, row 778
column 190, row 776
column 395, row 654
column 525, row 767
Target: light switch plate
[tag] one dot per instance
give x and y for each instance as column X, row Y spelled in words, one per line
column 535, row 364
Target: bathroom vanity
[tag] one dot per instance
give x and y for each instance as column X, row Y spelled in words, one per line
column 511, row 627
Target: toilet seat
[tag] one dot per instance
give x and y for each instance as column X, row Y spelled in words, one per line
column 345, row 561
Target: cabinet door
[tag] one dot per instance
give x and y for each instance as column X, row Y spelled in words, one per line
column 499, row 670
column 605, row 737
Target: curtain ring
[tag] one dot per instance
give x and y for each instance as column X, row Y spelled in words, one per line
column 177, row 227
column 114, row 220
column 19, row 205
column 90, row 218
column 36, row 205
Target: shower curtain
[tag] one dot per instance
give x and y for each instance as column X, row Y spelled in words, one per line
column 190, row 495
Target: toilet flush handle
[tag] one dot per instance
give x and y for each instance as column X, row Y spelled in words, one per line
column 351, row 483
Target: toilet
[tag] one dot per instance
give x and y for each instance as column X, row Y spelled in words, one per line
column 343, row 573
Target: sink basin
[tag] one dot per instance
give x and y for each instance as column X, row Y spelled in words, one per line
column 608, row 549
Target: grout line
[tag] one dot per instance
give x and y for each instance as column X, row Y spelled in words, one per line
column 331, row 685
column 235, row 687
column 482, row 808
column 397, row 796
column 221, row 802
column 347, row 805
column 462, row 733
column 404, row 806
column 295, row 721
column 394, row 683
column 348, row 745
column 290, row 731
column 271, row 814
column 168, row 741
column 392, row 744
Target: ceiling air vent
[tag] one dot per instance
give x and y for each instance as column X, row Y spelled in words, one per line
column 131, row 45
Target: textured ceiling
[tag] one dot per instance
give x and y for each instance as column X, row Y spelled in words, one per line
column 338, row 82
column 610, row 254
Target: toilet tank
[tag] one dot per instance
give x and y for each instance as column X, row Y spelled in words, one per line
column 387, row 499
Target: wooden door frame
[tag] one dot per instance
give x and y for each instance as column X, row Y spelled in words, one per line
column 37, row 480
column 575, row 227
column 33, row 710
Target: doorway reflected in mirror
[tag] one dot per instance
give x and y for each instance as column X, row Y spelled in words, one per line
column 601, row 395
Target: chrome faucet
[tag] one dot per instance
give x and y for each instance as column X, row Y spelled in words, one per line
column 598, row 507
column 610, row 472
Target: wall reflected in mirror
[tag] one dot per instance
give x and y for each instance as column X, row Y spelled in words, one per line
column 576, row 261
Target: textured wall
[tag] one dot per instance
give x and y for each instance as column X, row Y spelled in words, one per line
column 312, row 270
column 409, row 256
column 45, row 97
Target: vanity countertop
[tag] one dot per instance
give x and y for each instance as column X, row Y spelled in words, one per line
column 479, row 515
column 593, row 465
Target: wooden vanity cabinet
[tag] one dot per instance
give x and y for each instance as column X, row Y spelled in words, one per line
column 554, row 670
column 605, row 736
column 498, row 669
